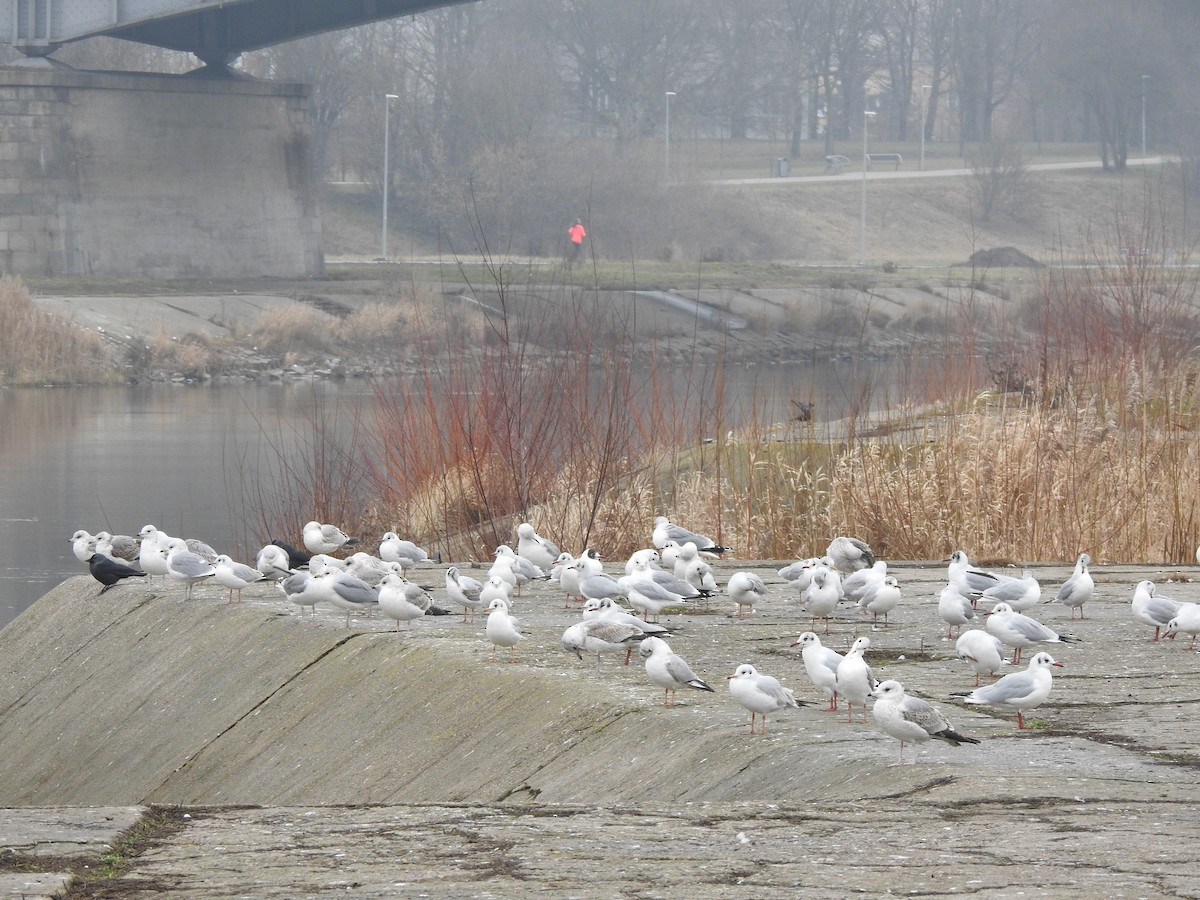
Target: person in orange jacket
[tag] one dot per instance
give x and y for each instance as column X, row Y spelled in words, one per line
column 576, row 234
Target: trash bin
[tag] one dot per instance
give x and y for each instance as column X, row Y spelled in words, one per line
column 782, row 167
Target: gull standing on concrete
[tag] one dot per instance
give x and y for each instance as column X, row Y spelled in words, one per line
column 971, row 581
column 83, row 545
column 745, row 589
column 465, row 591
column 234, row 575
column 320, row 538
column 122, row 547
column 1152, row 608
column 881, row 598
column 821, row 663
column 1018, row 690
column 402, row 600
column 186, row 566
column 1187, row 620
column 760, row 694
column 849, row 554
column 1019, row 593
column 600, row 636
column 647, row 555
column 954, row 609
column 299, row 589
column 273, row 562
column 1018, row 630
column 983, row 652
column 524, row 570
column 392, row 548
column 696, row 572
column 799, row 573
column 911, row 719
column 668, row 669
column 822, row 596
column 859, row 582
column 1077, row 589
column 855, row 681
column 650, row 591
column 346, row 592
column 665, row 531
column 535, row 548
column 502, row 629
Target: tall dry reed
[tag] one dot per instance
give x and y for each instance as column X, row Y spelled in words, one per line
column 41, row 348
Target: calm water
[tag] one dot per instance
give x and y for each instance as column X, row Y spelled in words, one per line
column 191, row 459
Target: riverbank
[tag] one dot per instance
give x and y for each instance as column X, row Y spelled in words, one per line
column 367, row 762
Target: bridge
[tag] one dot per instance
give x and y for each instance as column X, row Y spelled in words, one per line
column 216, row 31
column 156, row 175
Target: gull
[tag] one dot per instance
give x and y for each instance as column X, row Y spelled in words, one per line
column 969, row 580
column 669, row 554
column 153, row 553
column 696, row 571
column 746, row 590
column 234, row 575
column 668, row 669
column 495, row 588
column 850, row 554
column 1019, row 593
column 393, row 549
column 524, row 570
column 564, row 559
column 299, row 589
column 345, row 592
column 821, row 664
column 568, row 580
column 370, row 569
column 855, row 681
column 911, row 718
column 881, row 598
column 606, row 608
column 120, row 547
column 202, row 550
column 650, row 591
column 596, row 585
column 109, row 571
column 83, row 545
column 402, row 600
column 1078, row 588
column 273, row 562
column 821, row 596
column 982, row 651
column 465, row 591
column 1019, row 690
column 599, row 636
column 859, row 582
column 665, row 530
column 322, row 562
column 535, row 548
column 647, row 555
column 1152, row 608
column 760, row 694
column 502, row 629
column 320, row 538
column 1187, row 620
column 799, row 573
column 954, row 609
column 186, row 566
column 502, row 567
column 297, row 558
column 1018, row 630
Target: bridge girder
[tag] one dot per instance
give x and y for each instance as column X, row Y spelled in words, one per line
column 216, row 31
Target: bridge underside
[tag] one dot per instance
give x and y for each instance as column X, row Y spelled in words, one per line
column 216, row 32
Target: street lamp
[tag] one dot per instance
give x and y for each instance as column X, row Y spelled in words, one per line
column 925, row 88
column 387, row 106
column 667, row 139
column 1144, row 77
column 862, row 228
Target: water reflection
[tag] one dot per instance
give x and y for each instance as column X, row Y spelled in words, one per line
column 200, row 461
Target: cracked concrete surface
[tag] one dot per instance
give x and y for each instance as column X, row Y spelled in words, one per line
column 380, row 765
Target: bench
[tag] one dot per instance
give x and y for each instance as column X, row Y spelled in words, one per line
column 888, row 158
column 836, row 163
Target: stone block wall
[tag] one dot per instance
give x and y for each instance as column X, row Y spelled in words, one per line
column 155, row 176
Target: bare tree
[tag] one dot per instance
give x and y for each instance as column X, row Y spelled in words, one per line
column 990, row 52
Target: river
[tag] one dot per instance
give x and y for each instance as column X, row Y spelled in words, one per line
column 195, row 460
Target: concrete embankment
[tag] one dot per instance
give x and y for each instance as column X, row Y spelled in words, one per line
column 378, row 761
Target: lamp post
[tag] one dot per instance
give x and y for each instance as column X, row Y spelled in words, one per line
column 387, row 106
column 862, row 228
column 925, row 88
column 667, row 138
column 1144, row 77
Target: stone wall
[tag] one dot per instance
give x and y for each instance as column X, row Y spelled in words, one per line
column 155, row 176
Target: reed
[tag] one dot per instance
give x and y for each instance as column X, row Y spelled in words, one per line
column 41, row 348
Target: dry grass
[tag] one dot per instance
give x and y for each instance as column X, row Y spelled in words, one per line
column 41, row 348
